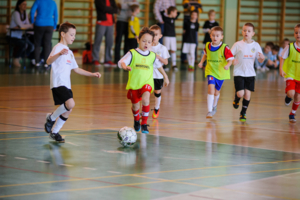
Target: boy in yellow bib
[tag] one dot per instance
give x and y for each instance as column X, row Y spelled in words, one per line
column 219, row 58
column 140, row 63
column 290, row 69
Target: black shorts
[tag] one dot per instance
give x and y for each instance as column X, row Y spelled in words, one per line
column 242, row 83
column 158, row 84
column 61, row 95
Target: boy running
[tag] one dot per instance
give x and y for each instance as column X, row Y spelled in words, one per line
column 62, row 61
column 162, row 55
column 219, row 59
column 245, row 52
column 289, row 68
column 140, row 63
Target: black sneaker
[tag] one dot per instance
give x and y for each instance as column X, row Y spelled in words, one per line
column 235, row 104
column 49, row 123
column 288, row 100
column 57, row 137
column 145, row 128
column 243, row 117
column 137, row 126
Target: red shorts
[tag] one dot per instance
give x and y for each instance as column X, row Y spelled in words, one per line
column 292, row 85
column 136, row 95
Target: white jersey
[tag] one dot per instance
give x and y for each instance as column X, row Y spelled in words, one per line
column 245, row 53
column 163, row 52
column 61, row 67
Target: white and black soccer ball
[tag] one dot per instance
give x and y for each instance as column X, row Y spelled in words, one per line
column 127, row 136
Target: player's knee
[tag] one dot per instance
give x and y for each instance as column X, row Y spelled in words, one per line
column 157, row 95
column 291, row 93
column 240, row 94
column 70, row 105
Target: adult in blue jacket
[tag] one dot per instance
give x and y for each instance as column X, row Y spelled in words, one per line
column 45, row 23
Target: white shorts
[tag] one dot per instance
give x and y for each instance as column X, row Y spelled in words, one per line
column 189, row 48
column 170, row 43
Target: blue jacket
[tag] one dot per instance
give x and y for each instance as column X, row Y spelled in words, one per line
column 46, row 13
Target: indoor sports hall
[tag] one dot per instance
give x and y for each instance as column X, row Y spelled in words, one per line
column 186, row 155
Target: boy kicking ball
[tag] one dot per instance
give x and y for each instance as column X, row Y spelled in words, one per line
column 62, row 61
column 245, row 52
column 219, row 58
column 140, row 63
column 289, row 69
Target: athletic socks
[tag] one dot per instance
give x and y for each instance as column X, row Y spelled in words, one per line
column 191, row 60
column 157, row 102
column 173, row 56
column 145, row 114
column 210, row 102
column 216, row 99
column 60, row 110
column 236, row 99
column 245, row 106
column 59, row 124
column 294, row 108
column 136, row 115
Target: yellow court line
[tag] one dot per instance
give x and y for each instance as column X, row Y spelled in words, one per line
column 146, row 173
column 141, row 183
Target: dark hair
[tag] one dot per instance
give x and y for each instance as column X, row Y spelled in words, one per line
column 217, row 28
column 250, row 25
column 275, row 48
column 286, row 40
column 171, row 9
column 144, row 31
column 155, row 27
column 19, row 2
column 270, row 44
column 134, row 7
column 64, row 27
column 194, row 11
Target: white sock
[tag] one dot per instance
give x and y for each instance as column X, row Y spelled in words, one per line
column 191, row 59
column 216, row 100
column 60, row 110
column 173, row 56
column 157, row 102
column 210, row 102
column 59, row 124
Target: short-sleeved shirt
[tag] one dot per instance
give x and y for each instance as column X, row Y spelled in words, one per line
column 286, row 50
column 191, row 29
column 61, row 67
column 163, row 52
column 169, row 25
column 245, row 53
column 227, row 53
column 208, row 25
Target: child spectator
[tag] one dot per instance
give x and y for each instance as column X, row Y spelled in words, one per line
column 273, row 61
column 267, row 51
column 169, row 39
column 208, row 25
column 189, row 39
column 133, row 27
column 284, row 44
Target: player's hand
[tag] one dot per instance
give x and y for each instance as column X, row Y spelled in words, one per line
column 260, row 55
column 235, row 62
column 128, row 68
column 166, row 82
column 200, row 65
column 97, row 74
column 226, row 67
column 64, row 52
column 282, row 73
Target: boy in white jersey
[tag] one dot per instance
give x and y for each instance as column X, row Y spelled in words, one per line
column 245, row 52
column 289, row 69
column 62, row 61
column 162, row 54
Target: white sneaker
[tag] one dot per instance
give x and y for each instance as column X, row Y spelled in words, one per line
column 209, row 115
column 214, row 110
column 37, row 65
column 45, row 65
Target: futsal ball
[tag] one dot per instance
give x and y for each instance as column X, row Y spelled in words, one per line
column 127, row 136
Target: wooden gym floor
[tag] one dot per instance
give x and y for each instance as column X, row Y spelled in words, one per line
column 185, row 156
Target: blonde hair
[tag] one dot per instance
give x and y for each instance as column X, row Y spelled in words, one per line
column 211, row 11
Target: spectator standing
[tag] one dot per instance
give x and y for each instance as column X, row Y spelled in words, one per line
column 19, row 19
column 133, row 27
column 159, row 6
column 44, row 24
column 122, row 26
column 104, row 27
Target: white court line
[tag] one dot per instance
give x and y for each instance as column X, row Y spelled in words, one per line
column 181, row 158
column 89, row 168
column 72, row 144
column 114, row 172
column 66, row 165
column 41, row 161
column 20, row 158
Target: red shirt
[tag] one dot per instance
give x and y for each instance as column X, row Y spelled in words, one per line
column 109, row 18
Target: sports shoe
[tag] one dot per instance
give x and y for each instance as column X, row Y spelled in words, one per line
column 145, row 128
column 191, row 68
column 57, row 137
column 175, row 68
column 137, row 126
column 49, row 123
column 45, row 65
column 235, row 105
column 155, row 113
column 209, row 115
column 288, row 100
column 96, row 63
column 214, row 111
column 110, row 64
column 243, row 117
column 292, row 118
